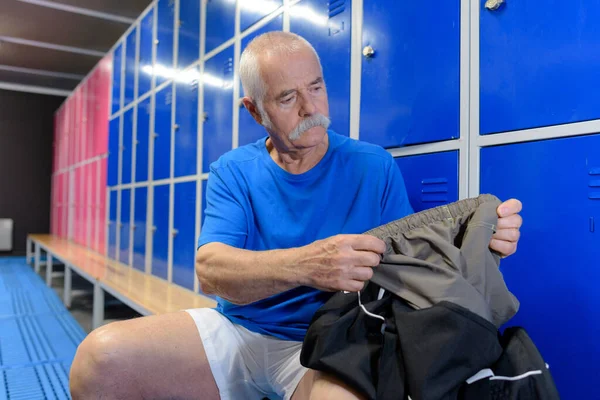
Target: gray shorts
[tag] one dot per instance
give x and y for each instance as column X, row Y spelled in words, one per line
column 247, row 365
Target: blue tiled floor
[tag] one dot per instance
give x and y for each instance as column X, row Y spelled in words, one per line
column 38, row 336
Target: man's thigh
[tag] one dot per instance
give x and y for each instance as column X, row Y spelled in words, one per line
column 149, row 357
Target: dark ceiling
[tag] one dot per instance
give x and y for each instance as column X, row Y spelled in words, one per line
column 53, row 44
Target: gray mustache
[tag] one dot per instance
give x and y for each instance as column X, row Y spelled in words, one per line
column 308, row 123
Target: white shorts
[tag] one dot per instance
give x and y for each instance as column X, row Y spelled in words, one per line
column 247, row 365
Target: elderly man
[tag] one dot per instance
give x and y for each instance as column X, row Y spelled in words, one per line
column 281, row 234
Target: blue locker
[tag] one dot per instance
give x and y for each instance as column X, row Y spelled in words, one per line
column 250, row 12
column 125, row 226
column 165, row 36
column 142, row 139
column 112, row 225
column 113, row 152
column 218, row 104
column 184, row 240
column 555, row 273
column 410, row 85
column 327, row 24
column 220, row 23
column 162, row 133
column 145, row 65
column 431, row 179
column 186, row 124
column 160, row 240
column 127, row 147
column 116, row 80
column 189, row 33
column 204, row 182
column 537, row 65
column 139, row 228
column 249, row 130
column 130, row 66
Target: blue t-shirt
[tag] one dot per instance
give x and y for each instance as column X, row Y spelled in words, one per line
column 253, row 204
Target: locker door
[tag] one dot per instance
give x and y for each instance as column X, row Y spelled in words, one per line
column 160, row 242
column 162, row 133
column 189, row 33
column 410, row 84
column 126, row 149
column 139, row 228
column 164, row 48
column 113, row 152
column 142, row 139
column 327, row 25
column 184, row 243
column 431, row 179
column 249, row 130
column 103, row 108
column 130, row 65
column 116, row 78
column 112, row 226
column 220, row 23
column 251, row 12
column 186, row 124
column 204, row 182
column 92, row 203
column 554, row 273
column 125, row 226
column 101, row 215
column 218, row 104
column 537, row 64
column 145, row 65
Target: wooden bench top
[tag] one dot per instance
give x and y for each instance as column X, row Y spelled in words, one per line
column 149, row 292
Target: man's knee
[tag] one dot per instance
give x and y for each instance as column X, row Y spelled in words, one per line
column 99, row 359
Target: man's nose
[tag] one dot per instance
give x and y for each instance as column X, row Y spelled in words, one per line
column 307, row 106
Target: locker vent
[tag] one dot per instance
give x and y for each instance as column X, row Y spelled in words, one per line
column 336, row 7
column 434, row 190
column 228, row 67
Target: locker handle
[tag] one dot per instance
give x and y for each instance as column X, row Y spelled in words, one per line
column 368, row 52
column 154, row 135
column 174, row 232
column 154, row 228
column 592, row 224
column 493, row 5
column 133, row 227
column 176, row 126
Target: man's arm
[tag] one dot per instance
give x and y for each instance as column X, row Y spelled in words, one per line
column 341, row 262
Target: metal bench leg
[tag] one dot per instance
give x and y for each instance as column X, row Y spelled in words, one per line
column 98, row 311
column 37, row 258
column 67, row 289
column 29, row 256
column 49, row 269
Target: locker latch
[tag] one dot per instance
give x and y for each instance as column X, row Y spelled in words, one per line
column 493, row 5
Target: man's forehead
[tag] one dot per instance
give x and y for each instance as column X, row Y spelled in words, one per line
column 291, row 68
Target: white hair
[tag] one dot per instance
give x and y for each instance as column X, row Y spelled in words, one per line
column 276, row 41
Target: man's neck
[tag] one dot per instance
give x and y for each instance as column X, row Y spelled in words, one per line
column 298, row 161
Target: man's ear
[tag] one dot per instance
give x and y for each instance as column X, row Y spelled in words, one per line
column 252, row 109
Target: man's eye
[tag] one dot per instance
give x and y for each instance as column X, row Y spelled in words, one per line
column 287, row 100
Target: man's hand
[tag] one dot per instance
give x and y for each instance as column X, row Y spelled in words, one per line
column 507, row 233
column 341, row 262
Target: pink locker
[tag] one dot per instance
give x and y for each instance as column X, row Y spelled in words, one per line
column 101, row 219
column 90, row 114
column 92, row 202
column 102, row 92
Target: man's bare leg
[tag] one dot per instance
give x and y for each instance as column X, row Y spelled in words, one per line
column 318, row 386
column 149, row 357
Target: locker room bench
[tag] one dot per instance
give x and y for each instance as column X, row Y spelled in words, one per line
column 144, row 293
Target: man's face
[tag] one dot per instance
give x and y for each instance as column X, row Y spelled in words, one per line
column 296, row 93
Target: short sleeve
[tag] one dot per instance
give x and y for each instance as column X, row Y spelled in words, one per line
column 395, row 202
column 224, row 218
